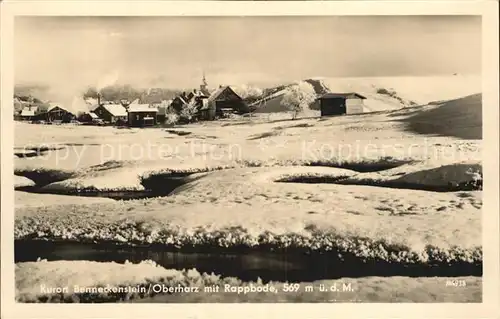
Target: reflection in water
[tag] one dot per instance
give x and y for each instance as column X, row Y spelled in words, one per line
column 247, row 266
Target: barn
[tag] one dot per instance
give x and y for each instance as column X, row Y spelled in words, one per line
column 87, row 117
column 111, row 113
column 225, row 98
column 341, row 103
column 56, row 113
column 141, row 115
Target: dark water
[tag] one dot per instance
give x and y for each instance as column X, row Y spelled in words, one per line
column 458, row 187
column 245, row 265
column 116, row 195
column 156, row 186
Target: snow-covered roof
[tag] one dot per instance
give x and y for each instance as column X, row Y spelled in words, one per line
column 53, row 105
column 141, row 108
column 215, row 94
column 200, row 93
column 343, row 95
column 270, row 97
column 115, row 109
column 182, row 99
column 28, row 112
column 93, row 115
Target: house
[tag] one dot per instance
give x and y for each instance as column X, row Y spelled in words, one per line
column 88, row 117
column 341, row 103
column 141, row 115
column 111, row 113
column 28, row 113
column 57, row 113
column 19, row 105
column 224, row 98
column 163, row 109
column 200, row 101
column 205, row 112
column 179, row 102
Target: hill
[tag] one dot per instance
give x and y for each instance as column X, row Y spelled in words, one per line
column 460, row 117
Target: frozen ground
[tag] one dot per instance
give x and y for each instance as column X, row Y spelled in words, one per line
column 33, row 278
column 26, row 199
column 373, row 186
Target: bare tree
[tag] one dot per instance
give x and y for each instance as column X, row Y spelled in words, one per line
column 298, row 97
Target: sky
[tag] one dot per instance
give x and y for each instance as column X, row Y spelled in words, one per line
column 72, row 52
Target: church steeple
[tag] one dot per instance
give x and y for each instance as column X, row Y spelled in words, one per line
column 203, row 86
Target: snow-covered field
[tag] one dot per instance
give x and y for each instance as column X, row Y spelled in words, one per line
column 368, row 186
column 145, row 280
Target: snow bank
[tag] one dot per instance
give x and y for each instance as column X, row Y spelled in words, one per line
column 461, row 118
column 144, row 280
column 293, row 172
column 446, row 175
column 246, row 210
column 456, row 176
column 24, row 199
column 20, row 181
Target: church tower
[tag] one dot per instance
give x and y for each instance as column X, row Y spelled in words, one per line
column 204, row 85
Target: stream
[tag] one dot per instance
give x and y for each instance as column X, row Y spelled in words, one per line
column 246, row 265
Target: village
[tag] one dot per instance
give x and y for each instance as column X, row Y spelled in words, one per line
column 342, row 153
column 202, row 104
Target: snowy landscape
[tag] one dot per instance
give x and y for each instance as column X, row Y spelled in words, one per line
column 276, row 205
column 364, row 190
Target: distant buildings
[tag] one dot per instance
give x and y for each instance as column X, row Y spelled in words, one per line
column 209, row 105
column 196, row 105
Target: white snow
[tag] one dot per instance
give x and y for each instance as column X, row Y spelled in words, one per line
column 32, row 278
column 21, row 181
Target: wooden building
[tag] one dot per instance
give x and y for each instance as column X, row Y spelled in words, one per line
column 88, row 117
column 200, row 100
column 179, row 102
column 112, row 113
column 163, row 109
column 206, row 112
column 28, row 113
column 224, row 98
column 142, row 115
column 341, row 103
column 56, row 113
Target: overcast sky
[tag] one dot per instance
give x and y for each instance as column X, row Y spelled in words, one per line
column 173, row 51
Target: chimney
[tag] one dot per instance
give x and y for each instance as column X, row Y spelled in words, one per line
column 98, row 99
